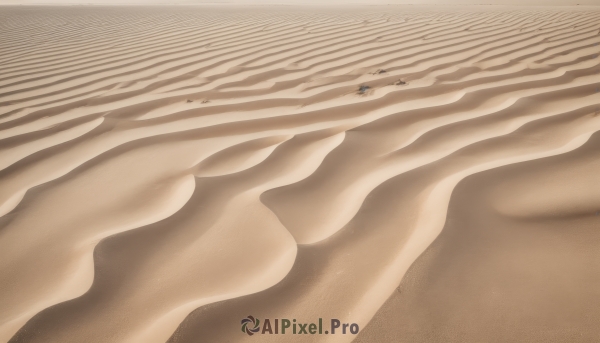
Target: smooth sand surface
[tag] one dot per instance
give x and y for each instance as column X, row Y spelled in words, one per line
column 168, row 171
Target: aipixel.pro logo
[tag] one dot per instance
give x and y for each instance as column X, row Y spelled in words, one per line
column 251, row 326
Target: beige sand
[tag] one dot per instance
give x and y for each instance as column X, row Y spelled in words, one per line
column 168, row 171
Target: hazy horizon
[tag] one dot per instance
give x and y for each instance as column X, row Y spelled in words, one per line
column 309, row 2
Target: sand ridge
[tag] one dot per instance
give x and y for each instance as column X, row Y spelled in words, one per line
column 166, row 171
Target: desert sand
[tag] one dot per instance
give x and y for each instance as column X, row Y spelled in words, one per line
column 167, row 171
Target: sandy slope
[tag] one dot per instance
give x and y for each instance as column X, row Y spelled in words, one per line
column 165, row 172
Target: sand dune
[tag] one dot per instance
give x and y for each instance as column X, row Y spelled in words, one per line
column 168, row 171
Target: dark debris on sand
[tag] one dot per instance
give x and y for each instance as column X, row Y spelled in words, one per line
column 362, row 89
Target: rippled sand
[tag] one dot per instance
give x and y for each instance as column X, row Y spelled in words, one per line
column 168, row 171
